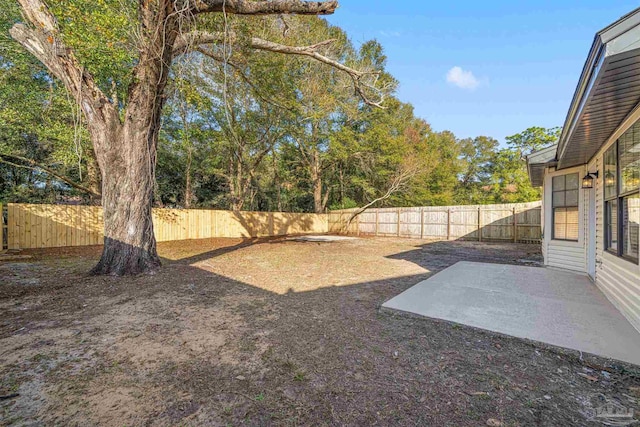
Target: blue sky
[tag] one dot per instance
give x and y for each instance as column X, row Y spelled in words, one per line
column 525, row 57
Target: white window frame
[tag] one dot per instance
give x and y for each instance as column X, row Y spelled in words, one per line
column 553, row 208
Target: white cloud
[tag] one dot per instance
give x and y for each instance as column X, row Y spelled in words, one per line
column 461, row 78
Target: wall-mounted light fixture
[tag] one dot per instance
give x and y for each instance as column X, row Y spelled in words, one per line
column 589, row 180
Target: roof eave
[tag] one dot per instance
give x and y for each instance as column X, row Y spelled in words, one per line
column 618, row 40
column 586, row 82
column 538, row 161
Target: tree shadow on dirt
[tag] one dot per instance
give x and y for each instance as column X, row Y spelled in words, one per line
column 191, row 346
column 435, row 256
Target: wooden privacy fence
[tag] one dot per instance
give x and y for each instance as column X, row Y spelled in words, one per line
column 43, row 226
column 510, row 222
column 3, row 228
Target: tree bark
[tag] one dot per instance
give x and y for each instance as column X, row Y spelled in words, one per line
column 128, row 161
column 236, row 179
column 273, row 7
column 93, row 179
column 130, row 243
column 317, row 195
column 127, row 197
column 186, row 142
column 188, row 194
column 316, row 179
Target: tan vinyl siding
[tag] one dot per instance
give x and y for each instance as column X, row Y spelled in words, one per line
column 621, row 285
column 563, row 255
column 617, row 278
column 599, row 212
column 569, row 255
column 545, row 229
column 585, row 226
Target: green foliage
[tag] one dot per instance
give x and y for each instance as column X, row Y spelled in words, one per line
column 533, row 139
column 476, row 159
column 493, row 175
column 264, row 131
column 38, row 121
column 102, row 34
column 508, row 179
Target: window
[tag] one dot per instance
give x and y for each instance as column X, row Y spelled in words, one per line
column 565, row 206
column 611, row 172
column 630, row 226
column 629, row 148
column 612, row 225
column 622, row 195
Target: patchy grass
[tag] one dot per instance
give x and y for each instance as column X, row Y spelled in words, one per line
column 275, row 332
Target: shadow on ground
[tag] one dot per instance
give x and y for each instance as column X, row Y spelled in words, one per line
column 211, row 339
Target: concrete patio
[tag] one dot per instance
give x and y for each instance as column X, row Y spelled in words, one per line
column 551, row 306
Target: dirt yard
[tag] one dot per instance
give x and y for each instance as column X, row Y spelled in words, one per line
column 275, row 332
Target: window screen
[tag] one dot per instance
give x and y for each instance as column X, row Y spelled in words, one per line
column 611, row 213
column 622, row 196
column 629, row 149
column 630, row 226
column 565, row 206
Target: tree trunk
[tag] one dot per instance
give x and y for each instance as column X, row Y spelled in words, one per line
column 316, row 179
column 317, row 194
column 341, row 178
column 188, row 194
column 93, row 179
column 236, row 184
column 127, row 197
column 128, row 160
column 276, row 182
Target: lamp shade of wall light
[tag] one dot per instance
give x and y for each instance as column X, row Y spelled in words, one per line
column 589, row 180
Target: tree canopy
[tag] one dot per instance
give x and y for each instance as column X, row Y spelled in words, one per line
column 245, row 128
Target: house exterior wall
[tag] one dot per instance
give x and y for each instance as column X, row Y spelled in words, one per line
column 617, row 278
column 606, row 91
column 544, row 224
column 560, row 253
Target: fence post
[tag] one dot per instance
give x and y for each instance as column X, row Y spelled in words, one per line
column 422, row 223
column 358, row 225
column 376, row 222
column 449, row 224
column 271, row 230
column 515, row 226
column 398, row 221
column 1, row 229
column 479, row 224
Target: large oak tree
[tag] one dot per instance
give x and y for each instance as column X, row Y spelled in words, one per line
column 124, row 132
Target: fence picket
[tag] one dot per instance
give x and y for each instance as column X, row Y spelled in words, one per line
column 37, row 226
column 518, row 222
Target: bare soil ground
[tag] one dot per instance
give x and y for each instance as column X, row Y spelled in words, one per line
column 276, row 332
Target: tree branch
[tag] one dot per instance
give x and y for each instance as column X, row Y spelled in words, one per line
column 33, row 165
column 44, row 42
column 244, row 77
column 400, row 179
column 195, row 39
column 272, row 7
column 312, row 52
